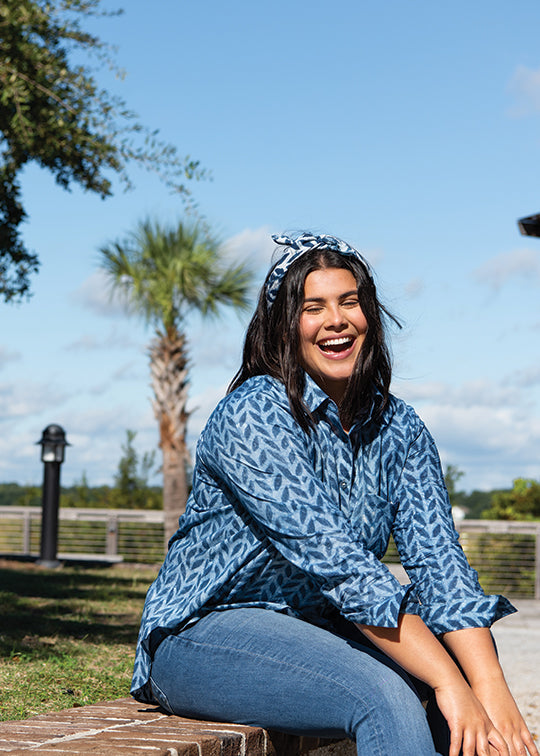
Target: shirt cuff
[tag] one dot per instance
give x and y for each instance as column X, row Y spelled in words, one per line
column 382, row 613
column 458, row 614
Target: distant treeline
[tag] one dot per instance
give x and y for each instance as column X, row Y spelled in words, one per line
column 522, row 502
column 131, row 491
column 82, row 495
column 149, row 497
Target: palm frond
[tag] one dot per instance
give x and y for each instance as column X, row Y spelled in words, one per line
column 166, row 271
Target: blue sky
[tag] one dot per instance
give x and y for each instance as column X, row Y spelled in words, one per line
column 412, row 130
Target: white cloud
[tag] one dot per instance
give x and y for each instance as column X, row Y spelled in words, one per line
column 521, row 263
column 217, row 345
column 414, row 288
column 525, row 378
column 202, row 405
column 90, row 342
column 492, row 445
column 479, row 392
column 20, row 455
column 24, row 399
column 524, row 86
column 489, row 430
column 8, row 355
column 253, row 246
column 130, row 371
column 95, row 295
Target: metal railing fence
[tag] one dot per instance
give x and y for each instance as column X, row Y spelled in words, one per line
column 506, row 554
column 136, row 535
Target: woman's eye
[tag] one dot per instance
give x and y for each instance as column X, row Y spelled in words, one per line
column 351, row 303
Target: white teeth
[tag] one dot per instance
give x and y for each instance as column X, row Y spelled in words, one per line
column 330, row 342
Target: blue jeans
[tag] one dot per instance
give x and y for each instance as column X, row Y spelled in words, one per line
column 258, row 667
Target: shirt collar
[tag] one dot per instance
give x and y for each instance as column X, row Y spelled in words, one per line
column 314, row 396
column 317, row 400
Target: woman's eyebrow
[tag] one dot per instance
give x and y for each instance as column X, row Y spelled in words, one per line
column 351, row 293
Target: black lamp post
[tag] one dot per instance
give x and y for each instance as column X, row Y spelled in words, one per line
column 53, row 442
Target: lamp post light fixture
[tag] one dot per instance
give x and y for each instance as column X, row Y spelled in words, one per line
column 530, row 225
column 53, row 443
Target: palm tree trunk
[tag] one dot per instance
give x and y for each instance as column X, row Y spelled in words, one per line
column 175, row 487
column 168, row 364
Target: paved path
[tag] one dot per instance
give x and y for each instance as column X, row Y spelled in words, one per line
column 518, row 641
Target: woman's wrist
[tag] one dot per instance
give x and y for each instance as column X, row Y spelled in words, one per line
column 480, row 679
column 451, row 679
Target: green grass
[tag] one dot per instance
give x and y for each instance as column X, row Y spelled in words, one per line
column 67, row 636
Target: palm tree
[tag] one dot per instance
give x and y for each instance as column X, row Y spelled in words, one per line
column 164, row 273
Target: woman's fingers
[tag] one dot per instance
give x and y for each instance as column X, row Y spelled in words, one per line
column 524, row 744
column 506, row 717
column 498, row 744
column 456, row 737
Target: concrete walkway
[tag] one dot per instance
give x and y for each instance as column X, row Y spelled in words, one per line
column 518, row 641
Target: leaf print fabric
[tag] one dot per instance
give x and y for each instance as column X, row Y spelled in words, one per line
column 297, row 523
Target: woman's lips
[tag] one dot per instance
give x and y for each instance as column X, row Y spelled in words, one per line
column 339, row 347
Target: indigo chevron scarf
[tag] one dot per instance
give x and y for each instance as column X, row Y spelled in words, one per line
column 295, row 248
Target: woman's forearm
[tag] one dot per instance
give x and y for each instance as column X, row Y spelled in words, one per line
column 414, row 647
column 475, row 651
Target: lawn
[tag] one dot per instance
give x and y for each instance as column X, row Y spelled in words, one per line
column 67, row 636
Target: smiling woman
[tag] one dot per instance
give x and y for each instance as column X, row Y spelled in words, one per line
column 273, row 607
column 332, row 329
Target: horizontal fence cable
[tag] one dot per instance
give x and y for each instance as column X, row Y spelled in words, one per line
column 506, row 554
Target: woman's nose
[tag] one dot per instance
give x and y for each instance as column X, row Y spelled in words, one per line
column 335, row 317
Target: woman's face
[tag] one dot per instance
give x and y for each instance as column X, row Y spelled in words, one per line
column 332, row 329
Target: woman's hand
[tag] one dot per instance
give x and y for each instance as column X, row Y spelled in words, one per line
column 505, row 715
column 470, row 726
column 475, row 651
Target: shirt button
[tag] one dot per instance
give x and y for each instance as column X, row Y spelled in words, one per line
column 343, row 484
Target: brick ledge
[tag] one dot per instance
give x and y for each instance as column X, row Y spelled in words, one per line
column 129, row 728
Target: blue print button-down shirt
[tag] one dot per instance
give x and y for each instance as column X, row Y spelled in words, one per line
column 298, row 522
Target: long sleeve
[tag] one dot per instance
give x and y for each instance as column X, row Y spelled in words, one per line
column 447, row 587
column 254, row 449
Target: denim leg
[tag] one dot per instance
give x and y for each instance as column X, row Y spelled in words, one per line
column 437, row 723
column 258, row 667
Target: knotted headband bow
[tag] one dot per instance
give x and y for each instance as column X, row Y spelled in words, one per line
column 295, row 248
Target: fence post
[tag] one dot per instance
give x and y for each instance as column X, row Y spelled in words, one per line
column 537, row 565
column 112, row 536
column 26, row 533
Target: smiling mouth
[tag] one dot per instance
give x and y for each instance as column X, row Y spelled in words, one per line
column 334, row 346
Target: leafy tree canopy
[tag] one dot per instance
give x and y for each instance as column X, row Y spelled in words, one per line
column 451, row 477
column 53, row 113
column 131, row 480
column 521, row 503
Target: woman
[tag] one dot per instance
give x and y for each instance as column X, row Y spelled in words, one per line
column 272, row 607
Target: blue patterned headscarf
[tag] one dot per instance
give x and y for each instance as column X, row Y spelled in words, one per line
column 295, row 248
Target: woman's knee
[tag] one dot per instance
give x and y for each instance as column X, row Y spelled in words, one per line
column 390, row 715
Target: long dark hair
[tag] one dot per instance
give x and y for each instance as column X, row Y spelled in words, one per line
column 272, row 341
